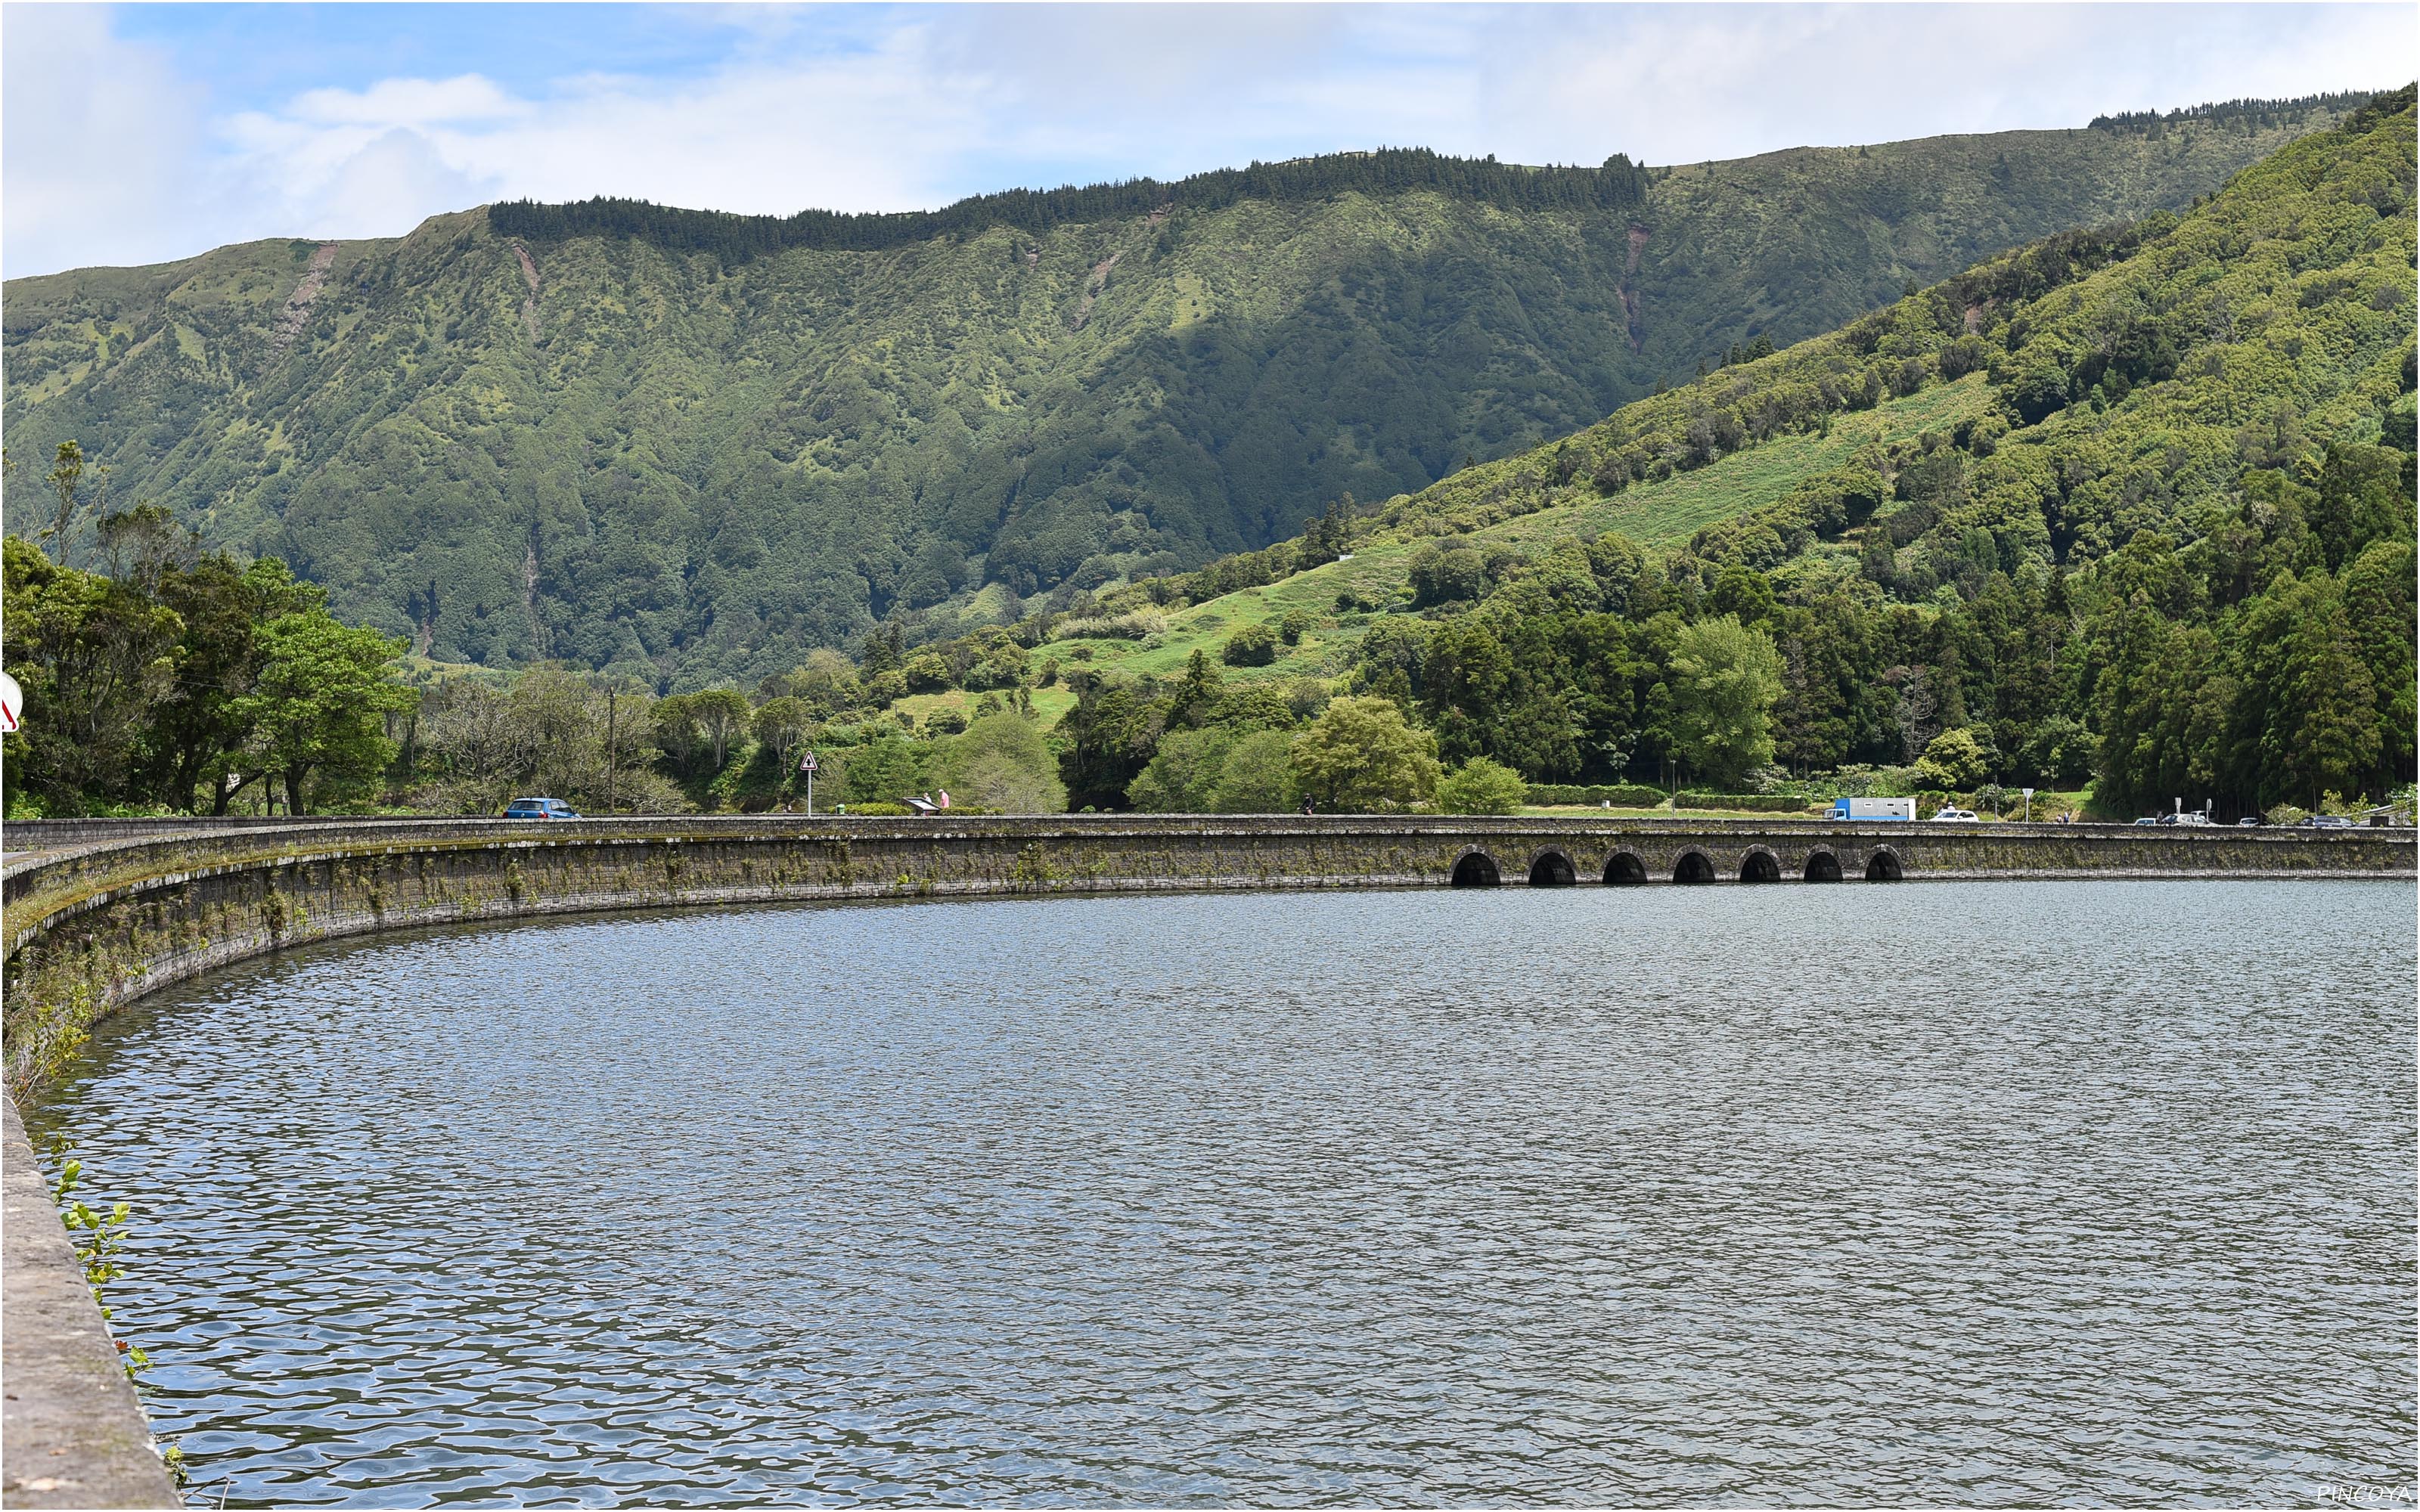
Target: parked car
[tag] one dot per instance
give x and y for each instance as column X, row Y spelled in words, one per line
column 2147, row 818
column 539, row 808
column 1955, row 816
column 2250, row 821
column 2188, row 816
column 2327, row 821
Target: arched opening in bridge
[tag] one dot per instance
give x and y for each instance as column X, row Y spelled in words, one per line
column 1622, row 868
column 1823, row 867
column 1759, row 865
column 1477, row 869
column 1883, row 867
column 1552, row 869
column 1694, row 868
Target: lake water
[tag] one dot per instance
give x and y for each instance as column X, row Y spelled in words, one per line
column 2095, row 1191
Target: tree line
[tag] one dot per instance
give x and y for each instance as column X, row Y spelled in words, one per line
column 1617, row 183
column 2261, row 111
column 164, row 675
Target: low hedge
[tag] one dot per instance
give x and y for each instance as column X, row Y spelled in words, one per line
column 1634, row 795
column 1746, row 802
column 1622, row 795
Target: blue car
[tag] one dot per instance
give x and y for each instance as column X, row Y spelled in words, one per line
column 539, row 808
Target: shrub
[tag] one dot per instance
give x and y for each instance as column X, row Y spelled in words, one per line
column 928, row 673
column 1251, row 646
column 1621, row 795
column 1132, row 626
column 1744, row 802
column 1481, row 786
column 44, row 1040
column 1296, row 623
column 1954, row 760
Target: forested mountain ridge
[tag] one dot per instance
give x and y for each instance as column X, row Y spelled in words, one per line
column 2134, row 505
column 615, row 451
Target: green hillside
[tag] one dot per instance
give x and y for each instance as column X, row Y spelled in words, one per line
column 2132, row 506
column 693, row 447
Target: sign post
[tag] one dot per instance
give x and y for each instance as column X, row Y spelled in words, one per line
column 2029, row 805
column 807, row 765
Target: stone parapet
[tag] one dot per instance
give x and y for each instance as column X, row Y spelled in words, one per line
column 72, row 1433
column 124, row 918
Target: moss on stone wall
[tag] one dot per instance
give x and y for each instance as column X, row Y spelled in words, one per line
column 90, row 930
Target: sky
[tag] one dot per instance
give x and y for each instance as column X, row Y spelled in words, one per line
column 144, row 132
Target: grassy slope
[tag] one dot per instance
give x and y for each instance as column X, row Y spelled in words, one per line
column 714, row 467
column 2289, row 297
column 1662, row 515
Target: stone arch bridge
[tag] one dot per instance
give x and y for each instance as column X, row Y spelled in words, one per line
column 117, row 908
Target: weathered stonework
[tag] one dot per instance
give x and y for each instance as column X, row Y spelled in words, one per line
column 72, row 1433
column 125, row 919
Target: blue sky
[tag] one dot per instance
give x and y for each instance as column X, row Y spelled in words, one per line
column 136, row 134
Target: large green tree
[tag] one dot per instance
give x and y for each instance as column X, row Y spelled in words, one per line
column 93, row 657
column 1182, row 771
column 1257, row 776
column 1724, row 679
column 200, row 727
column 1002, row 763
column 317, row 710
column 2309, row 691
column 1360, row 756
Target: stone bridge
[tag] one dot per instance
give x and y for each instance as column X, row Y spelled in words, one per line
column 118, row 909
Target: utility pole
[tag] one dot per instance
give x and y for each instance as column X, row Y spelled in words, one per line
column 807, row 765
column 608, row 748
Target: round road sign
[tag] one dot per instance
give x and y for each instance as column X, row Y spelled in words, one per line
column 12, row 702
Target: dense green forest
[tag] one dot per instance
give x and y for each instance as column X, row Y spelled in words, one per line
column 2130, row 507
column 615, row 438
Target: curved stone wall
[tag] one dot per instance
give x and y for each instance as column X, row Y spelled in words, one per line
column 116, row 919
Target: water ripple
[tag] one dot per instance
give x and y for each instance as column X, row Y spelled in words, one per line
column 2041, row 1193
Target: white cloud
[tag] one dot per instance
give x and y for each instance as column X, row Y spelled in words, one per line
column 101, row 140
column 397, row 167
column 110, row 155
column 409, row 102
